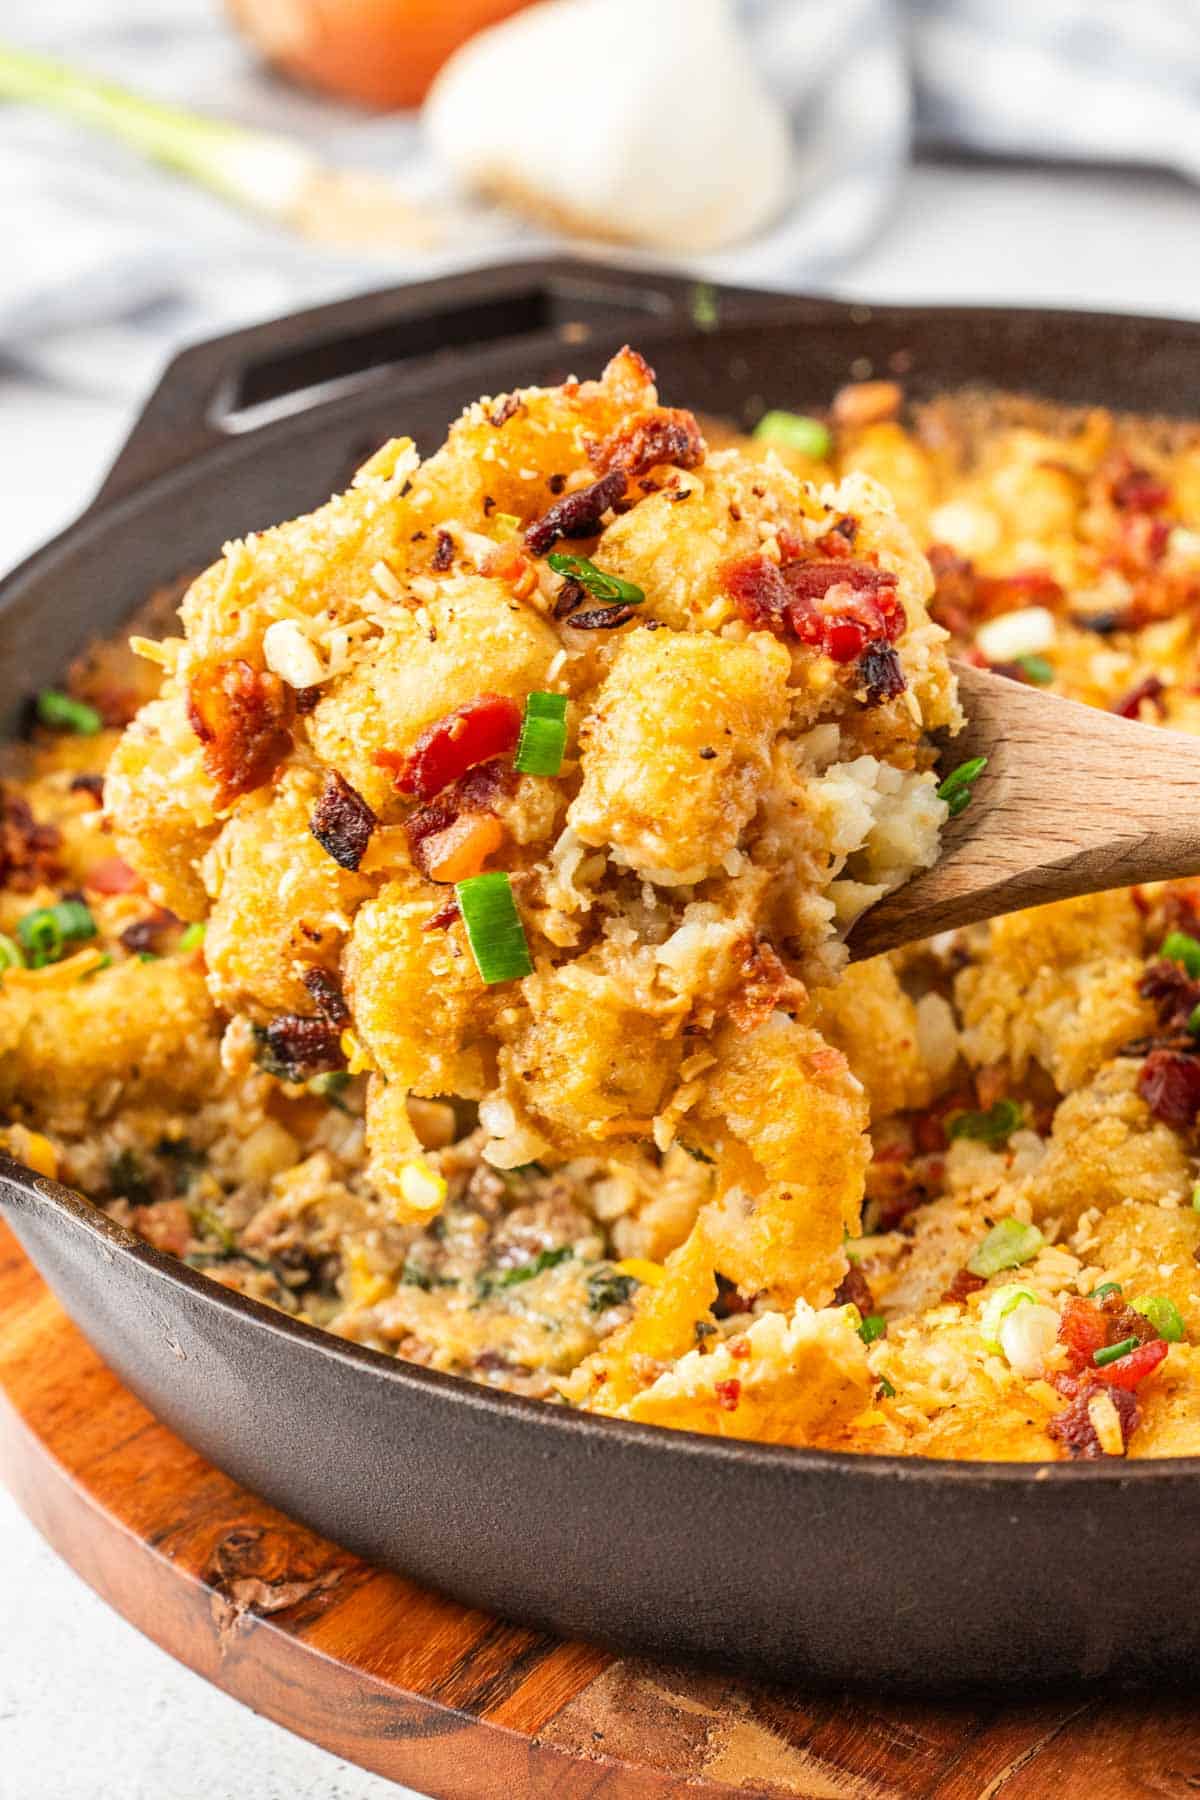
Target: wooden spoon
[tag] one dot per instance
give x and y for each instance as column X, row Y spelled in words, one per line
column 1073, row 800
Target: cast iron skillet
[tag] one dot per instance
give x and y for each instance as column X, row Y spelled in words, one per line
column 839, row 1569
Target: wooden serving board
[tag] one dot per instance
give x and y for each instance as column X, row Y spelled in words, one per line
column 463, row 1706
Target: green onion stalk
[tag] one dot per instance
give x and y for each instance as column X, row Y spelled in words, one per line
column 255, row 169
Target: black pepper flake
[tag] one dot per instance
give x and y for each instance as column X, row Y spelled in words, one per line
column 488, row 504
column 708, row 754
column 88, row 784
column 556, row 483
column 501, row 414
column 327, row 996
column 342, row 822
column 603, row 618
column 443, row 554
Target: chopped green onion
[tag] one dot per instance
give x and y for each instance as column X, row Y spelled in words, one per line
column 329, row 1086
column 543, row 738
column 996, row 1309
column 104, row 963
column 148, row 956
column 1163, row 1314
column 492, row 1280
column 1196, row 1198
column 259, row 169
column 610, row 590
column 956, row 790
column 1006, row 1246
column 45, row 933
column 1035, row 669
column 61, row 713
column 886, row 1388
column 873, row 1327
column 705, row 309
column 1104, row 1290
column 494, row 929
column 1193, row 1021
column 1178, row 947
column 606, row 1288
column 1111, row 1352
column 995, row 1126
column 193, row 937
column 11, row 954
column 796, row 431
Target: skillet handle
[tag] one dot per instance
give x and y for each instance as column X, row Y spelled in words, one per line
column 241, row 381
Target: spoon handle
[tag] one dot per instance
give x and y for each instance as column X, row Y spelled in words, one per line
column 1073, row 801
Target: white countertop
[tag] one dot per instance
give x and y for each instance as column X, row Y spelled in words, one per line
column 90, row 1711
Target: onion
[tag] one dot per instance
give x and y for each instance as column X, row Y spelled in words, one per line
column 381, row 52
column 638, row 121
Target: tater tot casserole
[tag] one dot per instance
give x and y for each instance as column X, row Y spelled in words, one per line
column 430, row 922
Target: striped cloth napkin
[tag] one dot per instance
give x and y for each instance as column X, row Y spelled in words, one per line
column 119, row 263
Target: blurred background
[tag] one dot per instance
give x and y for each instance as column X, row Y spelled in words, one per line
column 170, row 169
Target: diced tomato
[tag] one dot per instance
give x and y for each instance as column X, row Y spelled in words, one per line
column 1129, row 1370
column 463, row 847
column 485, row 727
column 728, row 1394
column 113, row 876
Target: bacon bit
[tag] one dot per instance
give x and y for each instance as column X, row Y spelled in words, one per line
column 739, row 1347
column 243, row 718
column 113, row 876
column 342, row 822
column 855, row 1290
column 606, row 618
column 1135, row 489
column 443, row 553
column 89, row 784
column 1169, row 1083
column 476, row 793
column 879, row 667
column 166, row 1224
column 1083, row 1328
column 485, row 727
column 143, row 934
column 663, row 435
column 570, row 595
column 326, row 992
column 444, row 917
column 963, row 1286
column 576, row 515
column 28, row 849
column 764, row 987
column 929, row 1133
column 866, row 403
column 728, row 1394
column 299, row 1047
column 306, row 699
column 505, row 409
column 840, row 606
column 1077, row 1434
column 728, row 1301
column 462, row 848
column 1173, row 991
column 1148, row 691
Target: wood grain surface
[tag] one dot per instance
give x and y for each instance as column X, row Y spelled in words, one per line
column 1073, row 800
column 463, row 1706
